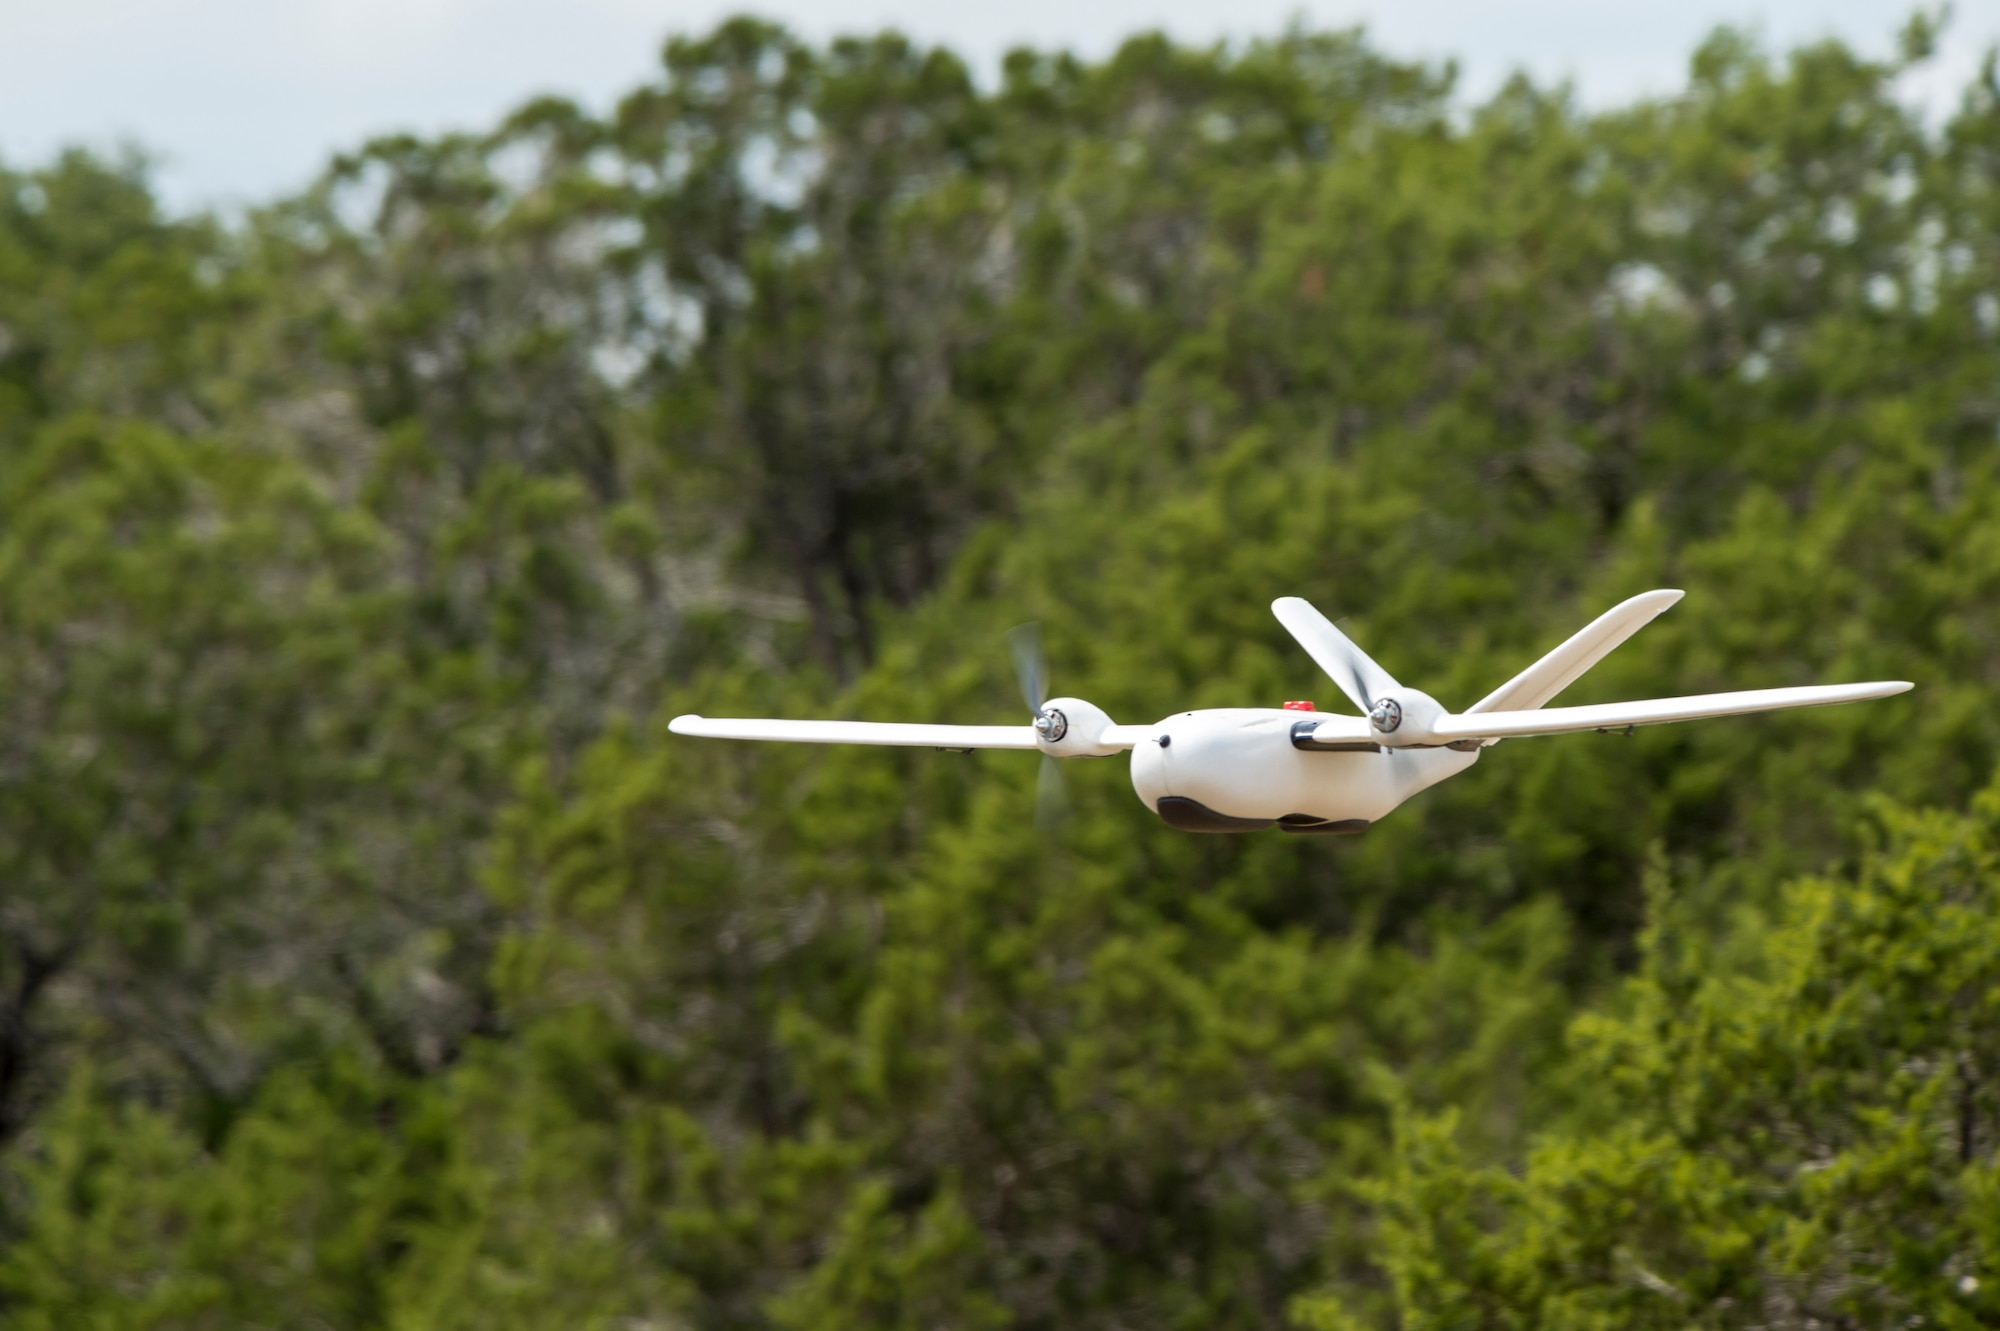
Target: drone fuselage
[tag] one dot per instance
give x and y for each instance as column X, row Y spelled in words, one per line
column 1238, row 769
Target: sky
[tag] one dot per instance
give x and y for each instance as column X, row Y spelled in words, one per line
column 242, row 100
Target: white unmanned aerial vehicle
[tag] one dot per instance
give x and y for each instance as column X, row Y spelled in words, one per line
column 1237, row 769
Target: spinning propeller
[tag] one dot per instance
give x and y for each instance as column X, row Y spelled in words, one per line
column 1031, row 672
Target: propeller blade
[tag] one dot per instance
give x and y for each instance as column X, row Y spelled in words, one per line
column 1031, row 667
column 1051, row 796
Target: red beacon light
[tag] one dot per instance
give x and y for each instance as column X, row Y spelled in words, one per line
column 1302, row 705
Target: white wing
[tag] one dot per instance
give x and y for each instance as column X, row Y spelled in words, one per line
column 1652, row 711
column 859, row 732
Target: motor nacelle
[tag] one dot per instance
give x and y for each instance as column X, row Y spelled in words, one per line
column 1073, row 728
column 1402, row 719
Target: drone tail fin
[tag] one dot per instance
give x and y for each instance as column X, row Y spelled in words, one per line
column 1543, row 680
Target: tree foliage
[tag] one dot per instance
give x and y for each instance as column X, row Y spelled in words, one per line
column 1804, row 1138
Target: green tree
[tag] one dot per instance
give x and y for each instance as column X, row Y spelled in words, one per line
column 1804, row 1138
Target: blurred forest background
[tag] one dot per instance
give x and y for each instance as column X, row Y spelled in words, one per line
column 370, row 957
